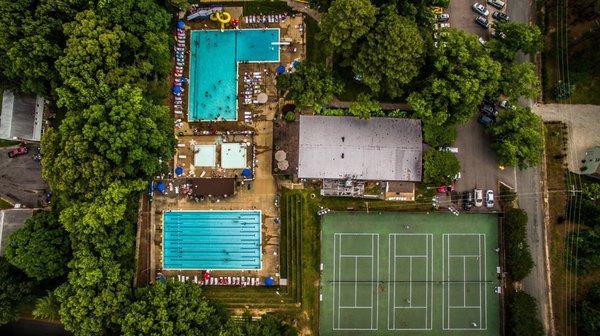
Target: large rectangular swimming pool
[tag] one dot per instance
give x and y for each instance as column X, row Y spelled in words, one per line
column 213, row 68
column 216, row 240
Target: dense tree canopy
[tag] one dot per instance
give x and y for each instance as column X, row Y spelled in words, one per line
column 440, row 167
column 589, row 311
column 41, row 248
column 519, row 138
column 172, row 308
column 587, row 258
column 345, row 22
column 123, row 138
column 392, row 54
column 269, row 325
column 15, row 291
column 519, row 80
column 522, row 315
column 517, row 37
column 518, row 256
column 310, row 85
column 439, row 136
column 364, row 107
column 462, row 74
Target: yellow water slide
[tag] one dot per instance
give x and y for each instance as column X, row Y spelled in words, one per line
column 222, row 17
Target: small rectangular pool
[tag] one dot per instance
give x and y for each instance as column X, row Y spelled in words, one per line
column 214, row 56
column 216, row 240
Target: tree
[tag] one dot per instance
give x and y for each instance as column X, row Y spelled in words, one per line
column 123, row 138
column 587, row 258
column 522, row 315
column 518, row 256
column 515, row 37
column 345, row 23
column 440, row 167
column 439, row 136
column 462, row 74
column 270, row 324
column 41, row 248
column 364, row 107
column 310, row 85
column 391, row 56
column 47, row 307
column 589, row 311
column 172, row 308
column 519, row 138
column 15, row 291
column 519, row 79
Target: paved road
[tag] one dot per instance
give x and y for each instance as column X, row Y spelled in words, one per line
column 20, row 178
column 30, row 327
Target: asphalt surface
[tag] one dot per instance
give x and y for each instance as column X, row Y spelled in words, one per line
column 21, row 178
column 479, row 162
column 30, row 327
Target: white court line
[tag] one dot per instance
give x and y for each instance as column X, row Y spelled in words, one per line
column 372, row 264
column 356, row 307
column 389, row 282
column 339, row 277
column 355, row 280
column 334, row 285
column 464, row 281
column 357, row 256
column 470, row 307
column 479, row 276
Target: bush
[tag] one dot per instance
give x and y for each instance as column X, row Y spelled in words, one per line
column 563, row 90
column 518, row 256
column 290, row 116
column 507, row 195
column 522, row 315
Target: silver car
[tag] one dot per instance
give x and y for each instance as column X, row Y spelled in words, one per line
column 478, row 197
column 489, row 199
column 496, row 3
column 479, row 8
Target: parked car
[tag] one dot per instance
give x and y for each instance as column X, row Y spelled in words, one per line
column 482, row 41
column 478, row 195
column 500, row 16
column 485, row 120
column 489, row 199
column 488, row 110
column 443, row 17
column 482, row 21
column 496, row 3
column 467, row 200
column 450, row 149
column 22, row 150
column 506, row 105
column 479, row 8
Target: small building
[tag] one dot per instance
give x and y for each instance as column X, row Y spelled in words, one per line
column 21, row 117
column 399, row 191
column 10, row 221
column 591, row 163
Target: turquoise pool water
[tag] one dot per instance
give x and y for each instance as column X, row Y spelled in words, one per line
column 214, row 56
column 217, row 240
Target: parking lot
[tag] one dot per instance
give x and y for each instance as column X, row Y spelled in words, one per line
column 21, row 178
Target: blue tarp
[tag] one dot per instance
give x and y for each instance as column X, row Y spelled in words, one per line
column 177, row 89
column 269, row 281
column 180, row 24
column 280, row 69
column 246, row 172
column 160, row 187
column 179, row 171
column 296, row 64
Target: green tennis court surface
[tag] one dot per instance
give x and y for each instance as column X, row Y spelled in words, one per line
column 409, row 274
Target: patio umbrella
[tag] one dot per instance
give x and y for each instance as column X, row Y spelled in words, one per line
column 283, row 165
column 177, row 89
column 296, row 64
column 160, row 187
column 280, row 69
column 269, row 281
column 262, row 98
column 280, row 155
column 246, row 172
column 179, row 171
column 180, row 24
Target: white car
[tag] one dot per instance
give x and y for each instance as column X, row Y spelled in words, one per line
column 489, row 199
column 479, row 8
column 478, row 197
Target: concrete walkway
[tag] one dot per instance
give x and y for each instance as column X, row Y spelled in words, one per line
column 303, row 8
column 583, row 122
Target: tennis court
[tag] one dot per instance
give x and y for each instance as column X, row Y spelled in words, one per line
column 409, row 274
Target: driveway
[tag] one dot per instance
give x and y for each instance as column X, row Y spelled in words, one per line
column 582, row 122
column 21, row 178
column 462, row 17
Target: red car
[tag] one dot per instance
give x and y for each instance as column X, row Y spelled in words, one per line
column 18, row 152
column 444, row 189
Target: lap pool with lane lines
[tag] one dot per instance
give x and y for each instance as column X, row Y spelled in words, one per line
column 213, row 68
column 216, row 240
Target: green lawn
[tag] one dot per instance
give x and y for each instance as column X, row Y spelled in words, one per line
column 409, row 274
column 4, row 204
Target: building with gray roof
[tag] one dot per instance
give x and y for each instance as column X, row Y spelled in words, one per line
column 10, row 221
column 21, row 117
column 381, row 149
